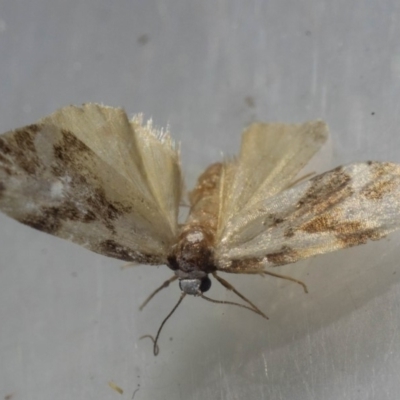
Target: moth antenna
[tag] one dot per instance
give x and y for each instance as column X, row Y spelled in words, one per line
column 156, row 349
column 163, row 286
column 233, row 304
column 289, row 278
column 228, row 286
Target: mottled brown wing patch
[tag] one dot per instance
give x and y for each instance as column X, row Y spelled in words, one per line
column 22, row 150
column 272, row 220
column 348, row 233
column 2, row 188
column 50, row 219
column 341, row 208
column 326, row 191
column 70, row 159
column 285, row 256
column 112, row 249
column 53, row 180
column 328, row 223
column 381, row 183
column 351, row 239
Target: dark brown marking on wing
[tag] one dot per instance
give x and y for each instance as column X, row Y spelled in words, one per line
column 379, row 169
column 324, row 193
column 83, row 198
column 244, row 265
column 4, row 161
column 50, row 219
column 111, row 248
column 328, row 223
column 71, row 142
column 2, row 189
column 6, row 169
column 21, row 148
column 70, row 154
column 70, row 159
column 285, row 256
column 382, row 181
column 272, row 220
column 25, row 138
column 348, row 233
column 105, row 209
column 25, row 153
column 44, row 222
column 5, row 148
column 288, row 233
column 350, row 239
column 34, row 128
column 377, row 190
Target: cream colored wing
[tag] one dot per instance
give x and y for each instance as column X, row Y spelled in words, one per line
column 342, row 208
column 271, row 156
column 89, row 175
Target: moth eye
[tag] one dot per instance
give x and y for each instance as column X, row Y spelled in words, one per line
column 173, row 263
column 205, row 284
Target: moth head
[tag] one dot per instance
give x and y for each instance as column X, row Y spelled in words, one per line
column 195, row 286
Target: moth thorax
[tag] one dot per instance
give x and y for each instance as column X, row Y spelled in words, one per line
column 193, row 255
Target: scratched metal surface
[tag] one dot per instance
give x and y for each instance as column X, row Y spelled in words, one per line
column 69, row 318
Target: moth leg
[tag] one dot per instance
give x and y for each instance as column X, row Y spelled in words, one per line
column 231, row 303
column 263, row 273
column 288, row 278
column 163, row 286
column 228, row 286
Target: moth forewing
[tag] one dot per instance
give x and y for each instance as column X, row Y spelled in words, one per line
column 52, row 180
column 341, row 208
column 145, row 156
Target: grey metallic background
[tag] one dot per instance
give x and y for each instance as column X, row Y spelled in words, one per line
column 69, row 321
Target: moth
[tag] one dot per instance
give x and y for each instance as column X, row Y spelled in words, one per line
column 114, row 186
